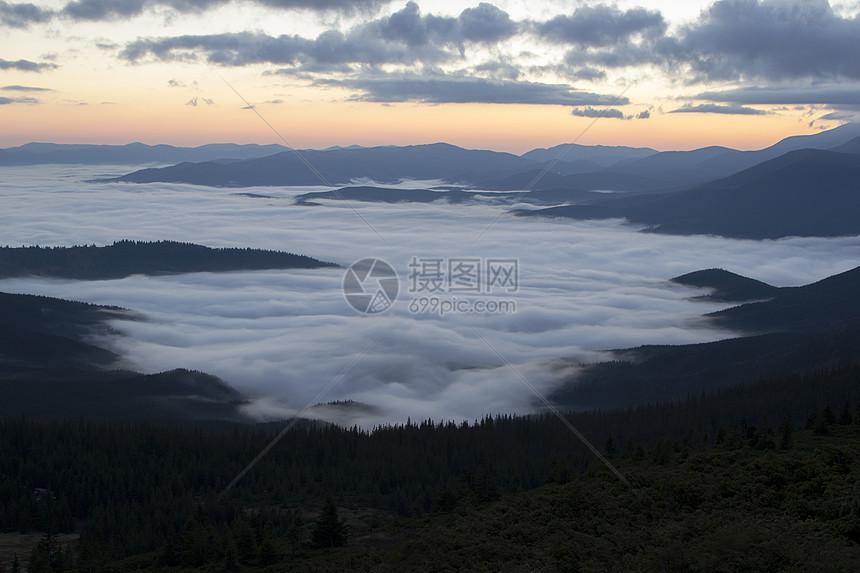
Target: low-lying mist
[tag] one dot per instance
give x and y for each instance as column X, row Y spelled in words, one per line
column 280, row 337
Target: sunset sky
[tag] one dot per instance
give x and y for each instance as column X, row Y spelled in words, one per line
column 507, row 74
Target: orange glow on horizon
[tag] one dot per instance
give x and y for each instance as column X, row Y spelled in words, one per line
column 512, row 128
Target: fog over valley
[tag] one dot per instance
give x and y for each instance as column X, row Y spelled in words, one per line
column 281, row 336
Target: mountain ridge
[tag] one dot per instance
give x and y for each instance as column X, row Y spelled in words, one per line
column 124, row 258
column 727, row 286
column 806, row 192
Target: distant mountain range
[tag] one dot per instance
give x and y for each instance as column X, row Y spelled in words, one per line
column 801, row 186
column 570, row 165
column 807, row 192
column 575, row 156
column 131, row 154
column 341, row 166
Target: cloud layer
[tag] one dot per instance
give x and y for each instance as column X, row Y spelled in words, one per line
column 427, row 52
column 282, row 336
column 26, row 65
column 747, row 40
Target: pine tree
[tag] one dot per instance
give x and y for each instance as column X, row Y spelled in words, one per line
column 845, row 417
column 786, row 430
column 231, row 560
column 267, row 554
column 246, row 549
column 829, row 416
column 295, row 534
column 609, row 448
column 329, row 531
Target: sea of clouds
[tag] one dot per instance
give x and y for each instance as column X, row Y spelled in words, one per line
column 281, row 337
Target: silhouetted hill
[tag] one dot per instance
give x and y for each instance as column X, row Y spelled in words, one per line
column 852, row 146
column 453, row 196
column 708, row 163
column 799, row 330
column 340, row 166
column 520, row 181
column 827, row 305
column 598, row 155
column 581, row 167
column 678, row 166
column 62, row 320
column 803, row 193
column 172, row 396
column 586, row 181
column 824, row 140
column 385, row 195
column 649, row 374
column 50, row 369
column 125, row 258
column 727, row 286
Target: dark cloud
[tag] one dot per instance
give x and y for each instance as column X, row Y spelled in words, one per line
column 439, row 88
column 22, row 15
column 587, row 73
column 411, row 28
column 8, row 100
column 721, row 109
column 103, row 9
column 230, row 49
column 769, row 39
column 604, row 36
column 195, row 101
column 499, row 69
column 405, row 37
column 836, row 95
column 483, row 24
column 486, row 23
column 775, row 40
column 329, row 51
column 841, row 116
column 25, row 89
column 602, row 25
column 612, row 57
column 347, row 6
column 113, row 9
column 609, row 113
column 643, row 114
column 25, row 65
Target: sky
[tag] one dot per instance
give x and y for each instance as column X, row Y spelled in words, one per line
column 505, row 74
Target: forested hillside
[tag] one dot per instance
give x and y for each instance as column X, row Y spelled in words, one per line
column 740, row 455
column 125, row 258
